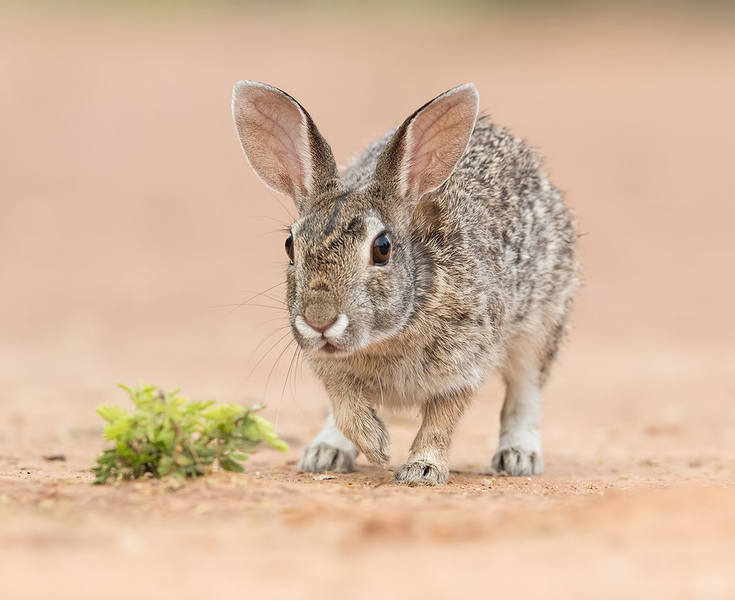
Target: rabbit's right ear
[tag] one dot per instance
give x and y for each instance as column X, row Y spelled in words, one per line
column 424, row 150
column 281, row 142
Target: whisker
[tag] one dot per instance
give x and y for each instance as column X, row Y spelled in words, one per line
column 275, row 319
column 253, row 354
column 246, row 302
column 262, row 358
column 270, row 374
column 264, row 295
column 279, row 221
column 288, row 373
column 242, row 305
column 275, row 364
column 270, row 335
column 247, row 291
column 298, row 371
column 303, row 360
column 277, row 198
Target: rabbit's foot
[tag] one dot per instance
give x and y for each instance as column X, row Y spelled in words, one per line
column 519, row 455
column 321, row 456
column 329, row 451
column 421, row 472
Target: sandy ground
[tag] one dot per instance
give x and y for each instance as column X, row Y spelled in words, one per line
column 128, row 218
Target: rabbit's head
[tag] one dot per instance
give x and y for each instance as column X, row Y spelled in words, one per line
column 352, row 274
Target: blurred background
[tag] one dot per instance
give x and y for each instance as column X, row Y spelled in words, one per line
column 131, row 227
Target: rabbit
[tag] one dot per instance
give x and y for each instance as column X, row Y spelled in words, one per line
column 439, row 256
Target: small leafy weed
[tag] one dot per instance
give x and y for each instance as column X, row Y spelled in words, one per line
column 168, row 435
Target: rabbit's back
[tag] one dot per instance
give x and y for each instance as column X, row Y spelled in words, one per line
column 499, row 192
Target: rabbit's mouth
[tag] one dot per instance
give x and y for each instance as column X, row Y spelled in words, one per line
column 333, row 348
column 323, row 340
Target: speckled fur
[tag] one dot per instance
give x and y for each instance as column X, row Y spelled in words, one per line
column 481, row 279
column 493, row 258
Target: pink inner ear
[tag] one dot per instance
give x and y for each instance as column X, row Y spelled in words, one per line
column 436, row 139
column 273, row 134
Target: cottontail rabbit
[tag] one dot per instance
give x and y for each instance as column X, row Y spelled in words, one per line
column 441, row 254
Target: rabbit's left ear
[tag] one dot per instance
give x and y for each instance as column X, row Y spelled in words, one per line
column 424, row 150
column 281, row 142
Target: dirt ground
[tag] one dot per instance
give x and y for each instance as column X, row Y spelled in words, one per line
column 130, row 221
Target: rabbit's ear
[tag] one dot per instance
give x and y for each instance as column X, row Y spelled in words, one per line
column 423, row 152
column 281, row 142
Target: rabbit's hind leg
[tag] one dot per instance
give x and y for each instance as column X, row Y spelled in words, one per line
column 329, row 451
column 519, row 449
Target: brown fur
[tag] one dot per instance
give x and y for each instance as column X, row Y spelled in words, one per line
column 481, row 277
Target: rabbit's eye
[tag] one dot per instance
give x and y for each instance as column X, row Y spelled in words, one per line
column 381, row 250
column 289, row 248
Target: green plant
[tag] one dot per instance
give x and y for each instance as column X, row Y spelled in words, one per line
column 170, row 435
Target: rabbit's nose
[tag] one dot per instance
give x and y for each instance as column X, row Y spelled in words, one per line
column 320, row 316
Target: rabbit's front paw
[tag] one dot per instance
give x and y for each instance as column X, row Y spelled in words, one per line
column 374, row 443
column 519, row 456
column 421, row 472
column 367, row 432
column 321, row 457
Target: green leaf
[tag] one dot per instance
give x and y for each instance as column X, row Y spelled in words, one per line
column 111, row 413
column 168, row 435
column 230, row 465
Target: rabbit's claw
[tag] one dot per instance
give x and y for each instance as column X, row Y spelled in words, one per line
column 518, row 459
column 320, row 457
column 330, row 450
column 421, row 472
